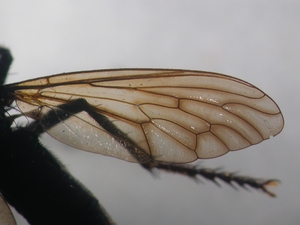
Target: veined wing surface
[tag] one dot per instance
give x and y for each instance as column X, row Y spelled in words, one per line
column 173, row 116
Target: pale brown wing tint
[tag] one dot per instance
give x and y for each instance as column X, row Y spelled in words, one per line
column 173, row 115
column 6, row 216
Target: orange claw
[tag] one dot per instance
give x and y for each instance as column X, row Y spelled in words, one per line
column 270, row 183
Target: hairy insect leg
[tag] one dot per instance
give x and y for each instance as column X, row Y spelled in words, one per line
column 65, row 111
column 229, row 178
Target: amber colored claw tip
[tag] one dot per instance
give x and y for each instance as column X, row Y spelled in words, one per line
column 273, row 183
column 270, row 183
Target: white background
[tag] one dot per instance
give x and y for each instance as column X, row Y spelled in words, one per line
column 257, row 41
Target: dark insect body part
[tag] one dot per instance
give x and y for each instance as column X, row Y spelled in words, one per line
column 37, row 184
column 155, row 117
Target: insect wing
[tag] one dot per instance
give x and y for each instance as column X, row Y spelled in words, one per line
column 6, row 216
column 172, row 115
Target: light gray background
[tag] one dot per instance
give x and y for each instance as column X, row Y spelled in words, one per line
column 257, row 41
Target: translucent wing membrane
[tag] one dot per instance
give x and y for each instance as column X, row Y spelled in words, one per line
column 170, row 115
column 6, row 216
